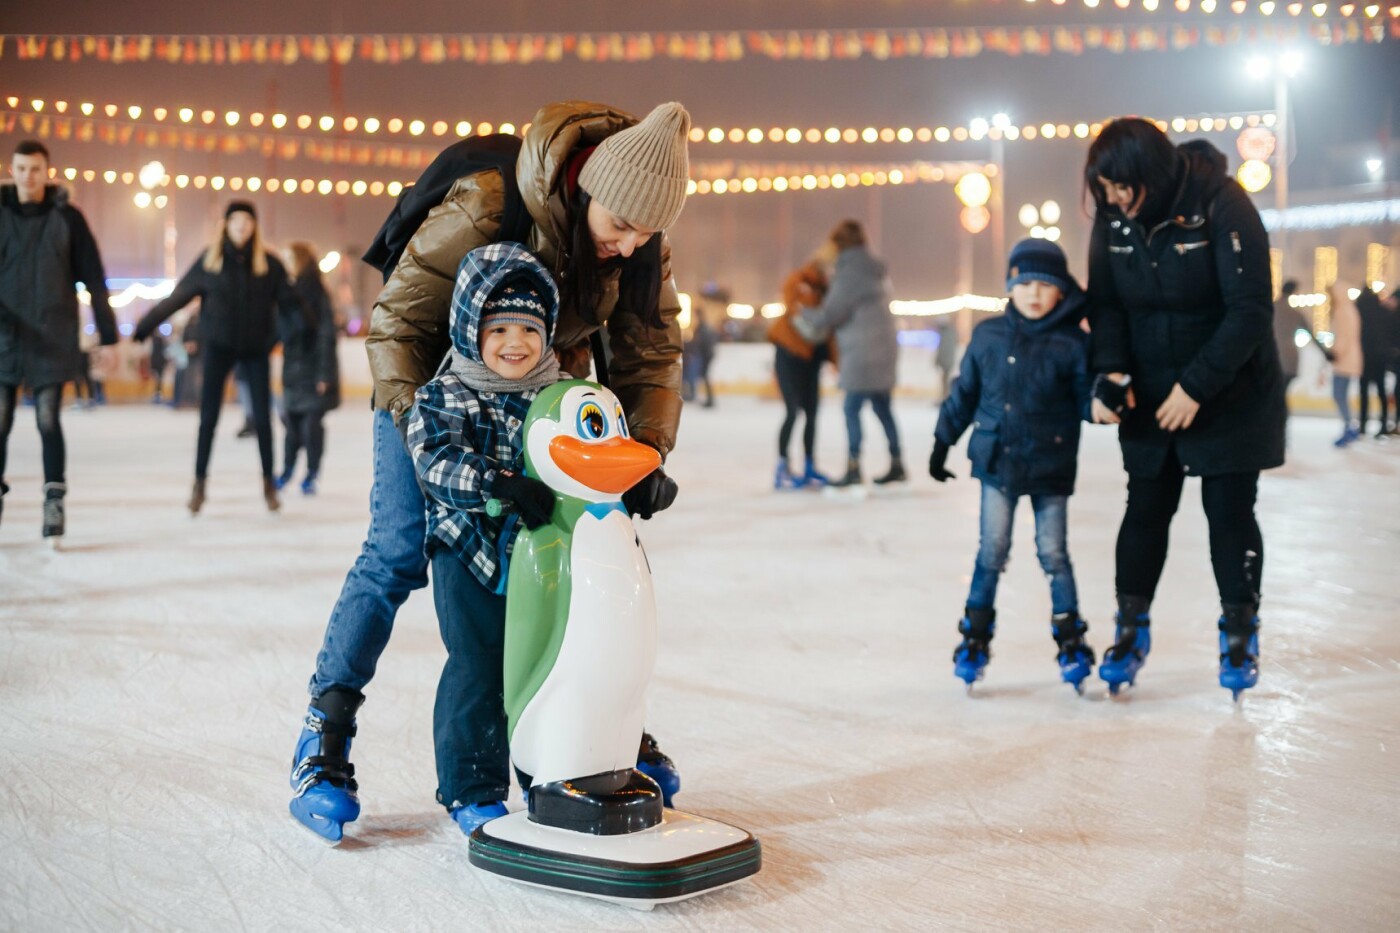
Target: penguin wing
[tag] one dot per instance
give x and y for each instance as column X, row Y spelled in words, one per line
column 537, row 611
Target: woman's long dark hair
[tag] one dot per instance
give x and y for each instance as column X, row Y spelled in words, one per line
column 581, row 274
column 1132, row 151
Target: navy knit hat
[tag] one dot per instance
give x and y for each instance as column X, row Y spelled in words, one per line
column 244, row 206
column 517, row 301
column 1037, row 260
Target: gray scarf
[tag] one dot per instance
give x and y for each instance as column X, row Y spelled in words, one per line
column 479, row 377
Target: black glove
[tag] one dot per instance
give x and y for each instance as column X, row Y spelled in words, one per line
column 532, row 498
column 655, row 492
column 936, row 461
column 1113, row 396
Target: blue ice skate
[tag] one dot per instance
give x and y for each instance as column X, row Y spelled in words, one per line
column 1076, row 658
column 655, row 764
column 812, row 478
column 1239, row 649
column 970, row 658
column 783, row 477
column 1133, row 641
column 472, row 815
column 323, row 778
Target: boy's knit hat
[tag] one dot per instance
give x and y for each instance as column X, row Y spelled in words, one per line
column 641, row 173
column 516, row 301
column 1038, row 260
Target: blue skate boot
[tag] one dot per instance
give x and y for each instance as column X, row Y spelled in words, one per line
column 1239, row 649
column 812, row 478
column 1122, row 662
column 783, row 477
column 1076, row 658
column 323, row 778
column 652, row 762
column 970, row 658
column 472, row 815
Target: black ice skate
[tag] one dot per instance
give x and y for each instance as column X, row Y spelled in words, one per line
column 53, row 513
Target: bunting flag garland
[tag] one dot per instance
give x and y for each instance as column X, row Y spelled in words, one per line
column 711, row 46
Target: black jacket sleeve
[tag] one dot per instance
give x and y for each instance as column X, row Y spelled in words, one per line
column 86, row 263
column 290, row 305
column 326, row 365
column 1109, row 350
column 189, row 288
column 957, row 410
column 1241, row 252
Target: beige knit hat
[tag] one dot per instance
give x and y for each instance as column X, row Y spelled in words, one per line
column 640, row 173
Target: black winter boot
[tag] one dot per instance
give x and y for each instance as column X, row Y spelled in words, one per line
column 895, row 474
column 4, row 488
column 852, row 477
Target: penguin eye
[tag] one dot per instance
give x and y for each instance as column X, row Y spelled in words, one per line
column 621, row 423
column 592, row 424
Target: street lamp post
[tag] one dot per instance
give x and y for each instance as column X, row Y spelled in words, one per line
column 1283, row 67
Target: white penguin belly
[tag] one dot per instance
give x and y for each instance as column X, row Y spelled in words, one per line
column 586, row 717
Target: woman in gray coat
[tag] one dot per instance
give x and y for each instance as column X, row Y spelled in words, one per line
column 857, row 309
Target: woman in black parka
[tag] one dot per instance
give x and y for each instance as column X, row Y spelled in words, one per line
column 1181, row 311
column 310, row 371
column 243, row 289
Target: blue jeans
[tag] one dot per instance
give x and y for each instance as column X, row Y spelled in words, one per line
column 1341, row 394
column 880, row 402
column 392, row 564
column 1051, row 527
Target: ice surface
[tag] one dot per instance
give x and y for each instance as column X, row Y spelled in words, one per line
column 152, row 678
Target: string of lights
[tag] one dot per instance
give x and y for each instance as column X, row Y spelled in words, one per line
column 711, row 178
column 28, row 114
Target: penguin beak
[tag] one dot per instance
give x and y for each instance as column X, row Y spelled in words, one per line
column 612, row 466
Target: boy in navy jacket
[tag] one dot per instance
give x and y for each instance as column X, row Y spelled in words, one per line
column 1024, row 388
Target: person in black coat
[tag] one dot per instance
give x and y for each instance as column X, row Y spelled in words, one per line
column 310, row 370
column 243, row 290
column 1179, row 303
column 1024, row 389
column 46, row 248
column 1376, row 344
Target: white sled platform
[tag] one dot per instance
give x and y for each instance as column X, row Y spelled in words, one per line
column 680, row 857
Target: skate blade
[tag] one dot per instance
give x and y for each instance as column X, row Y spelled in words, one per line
column 333, row 834
column 55, row 542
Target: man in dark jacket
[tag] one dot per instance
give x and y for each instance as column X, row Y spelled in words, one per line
column 46, row 249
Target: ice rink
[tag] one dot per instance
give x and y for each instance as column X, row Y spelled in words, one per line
column 152, row 681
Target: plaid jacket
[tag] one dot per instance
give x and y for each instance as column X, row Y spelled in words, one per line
column 459, row 439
